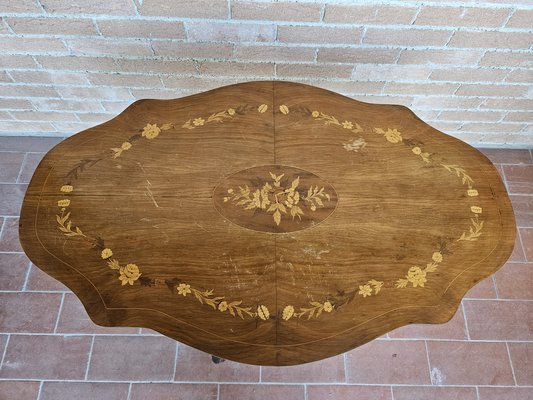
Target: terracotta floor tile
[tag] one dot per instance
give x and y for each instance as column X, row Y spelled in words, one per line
column 388, row 362
column 527, row 242
column 38, row 280
column 515, row 281
column 469, row 363
column 46, row 357
column 328, row 370
column 499, row 320
column 262, row 392
column 28, row 312
column 14, row 143
column 3, row 341
column 74, row 319
column 453, row 329
column 174, row 391
column 347, row 392
column 523, row 210
column 434, row 392
column 19, row 390
column 483, row 290
column 508, row 393
column 13, row 270
column 10, row 164
column 11, row 196
column 132, row 358
column 522, row 360
column 195, row 365
column 519, row 178
column 518, row 254
column 9, row 239
column 508, row 156
column 84, row 391
column 30, row 164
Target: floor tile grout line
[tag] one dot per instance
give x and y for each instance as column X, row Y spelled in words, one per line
column 22, row 166
column 129, row 391
column 41, row 384
column 176, row 355
column 4, row 352
column 86, row 377
column 59, row 312
column 391, row 393
column 511, row 363
column 25, row 285
column 344, row 359
column 428, row 361
column 305, row 391
column 260, row 374
column 477, row 392
column 495, row 286
column 218, row 390
column 465, row 320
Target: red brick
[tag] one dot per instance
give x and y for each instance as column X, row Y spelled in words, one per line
column 52, row 26
column 109, row 47
column 492, row 90
column 132, row 358
column 17, row 61
column 390, row 72
column 319, row 34
column 261, row 392
column 28, row 127
column 499, row 320
column 46, row 357
column 523, row 210
column 78, row 63
column 459, row 363
column 74, row 319
column 349, row 86
column 432, row 392
column 313, row 70
column 195, row 365
column 225, row 32
column 508, row 156
column 191, row 50
column 520, row 19
column 185, row 9
column 347, row 392
column 235, row 69
column 84, row 391
column 522, row 360
column 174, row 391
column 505, row 393
column 406, row 37
column 453, row 329
column 10, row 164
column 22, row 6
column 491, row 127
column 446, row 102
column 28, row 91
column 282, row 11
column 126, row 80
column 13, row 270
column 519, row 76
column 119, row 7
column 491, row 39
column 482, row 290
column 526, row 234
column 507, row 59
column 72, row 105
column 19, row 390
column 358, row 55
column 420, row 88
column 468, row 74
column 29, row 312
column 15, row 104
column 49, row 77
column 18, row 44
column 328, row 370
column 94, row 93
column 142, row 29
column 43, row 116
column 462, row 16
column 195, row 83
column 519, row 178
column 9, row 240
column 23, row 144
column 519, row 117
column 40, row 281
column 363, row 14
column 509, row 104
column 274, row 53
column 388, row 362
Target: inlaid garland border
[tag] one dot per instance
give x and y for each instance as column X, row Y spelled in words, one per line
column 128, row 274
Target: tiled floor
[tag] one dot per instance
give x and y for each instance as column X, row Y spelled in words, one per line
column 51, row 350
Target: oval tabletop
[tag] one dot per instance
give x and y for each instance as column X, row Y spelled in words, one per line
column 269, row 223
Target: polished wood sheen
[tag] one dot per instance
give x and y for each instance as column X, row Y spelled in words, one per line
column 269, row 223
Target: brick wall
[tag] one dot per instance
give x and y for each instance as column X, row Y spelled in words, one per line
column 465, row 67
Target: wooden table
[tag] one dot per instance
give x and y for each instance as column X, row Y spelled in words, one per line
column 267, row 222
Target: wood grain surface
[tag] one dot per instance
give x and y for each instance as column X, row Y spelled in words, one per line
column 269, row 223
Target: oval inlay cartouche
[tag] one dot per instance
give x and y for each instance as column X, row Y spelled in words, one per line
column 275, row 198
